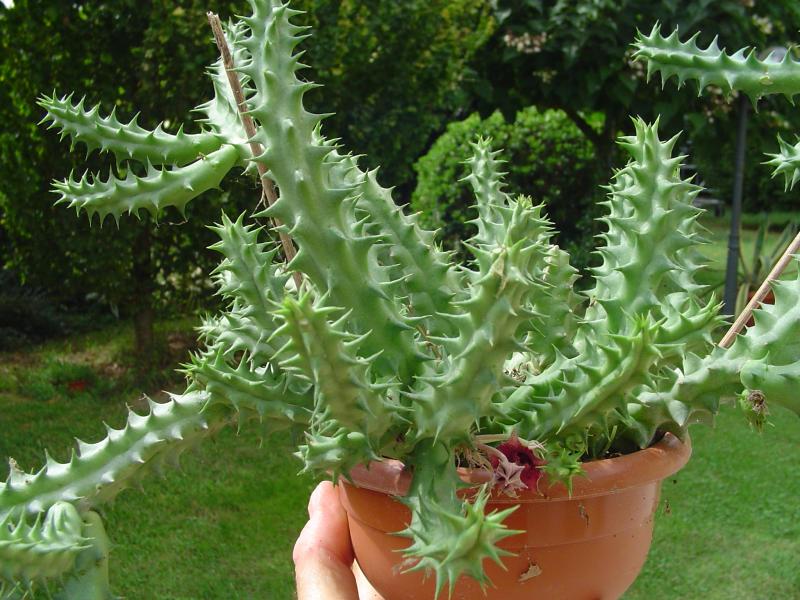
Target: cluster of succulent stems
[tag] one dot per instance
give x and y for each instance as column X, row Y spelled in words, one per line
column 377, row 343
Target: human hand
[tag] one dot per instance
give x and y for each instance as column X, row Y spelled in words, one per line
column 323, row 554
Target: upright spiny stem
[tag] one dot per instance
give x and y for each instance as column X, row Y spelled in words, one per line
column 247, row 121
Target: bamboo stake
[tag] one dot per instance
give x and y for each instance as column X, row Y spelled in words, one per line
column 779, row 267
column 267, row 189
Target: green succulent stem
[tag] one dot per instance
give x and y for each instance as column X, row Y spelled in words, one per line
column 459, row 391
column 252, row 393
column 692, row 395
column 249, row 278
column 97, row 472
column 125, row 140
column 450, row 535
column 742, row 71
column 89, row 579
column 45, row 549
column 786, row 162
column 335, row 249
column 424, row 275
column 328, row 357
column 152, row 192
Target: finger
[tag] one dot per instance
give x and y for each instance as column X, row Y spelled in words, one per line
column 323, row 553
column 323, row 577
column 327, row 526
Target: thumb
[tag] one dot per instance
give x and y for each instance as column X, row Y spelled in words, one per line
column 323, row 554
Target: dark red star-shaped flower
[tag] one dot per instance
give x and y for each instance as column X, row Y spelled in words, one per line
column 518, row 453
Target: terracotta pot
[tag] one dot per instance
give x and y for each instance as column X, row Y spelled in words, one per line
column 590, row 546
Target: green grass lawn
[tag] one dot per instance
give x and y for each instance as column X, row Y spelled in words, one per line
column 732, row 530
column 221, row 527
column 224, row 526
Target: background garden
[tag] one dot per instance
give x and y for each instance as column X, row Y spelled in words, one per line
column 91, row 318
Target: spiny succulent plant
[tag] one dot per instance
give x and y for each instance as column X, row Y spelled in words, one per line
column 388, row 348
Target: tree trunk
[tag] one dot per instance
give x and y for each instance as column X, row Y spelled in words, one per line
column 142, row 295
column 608, row 142
column 604, row 141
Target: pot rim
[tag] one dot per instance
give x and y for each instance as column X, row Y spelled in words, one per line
column 607, row 475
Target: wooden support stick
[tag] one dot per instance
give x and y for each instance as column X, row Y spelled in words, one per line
column 267, row 189
column 779, row 267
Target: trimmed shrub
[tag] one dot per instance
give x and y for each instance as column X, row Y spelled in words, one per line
column 552, row 162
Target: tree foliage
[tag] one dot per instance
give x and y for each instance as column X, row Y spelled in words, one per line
column 713, row 150
column 392, row 74
column 576, row 54
column 121, row 55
